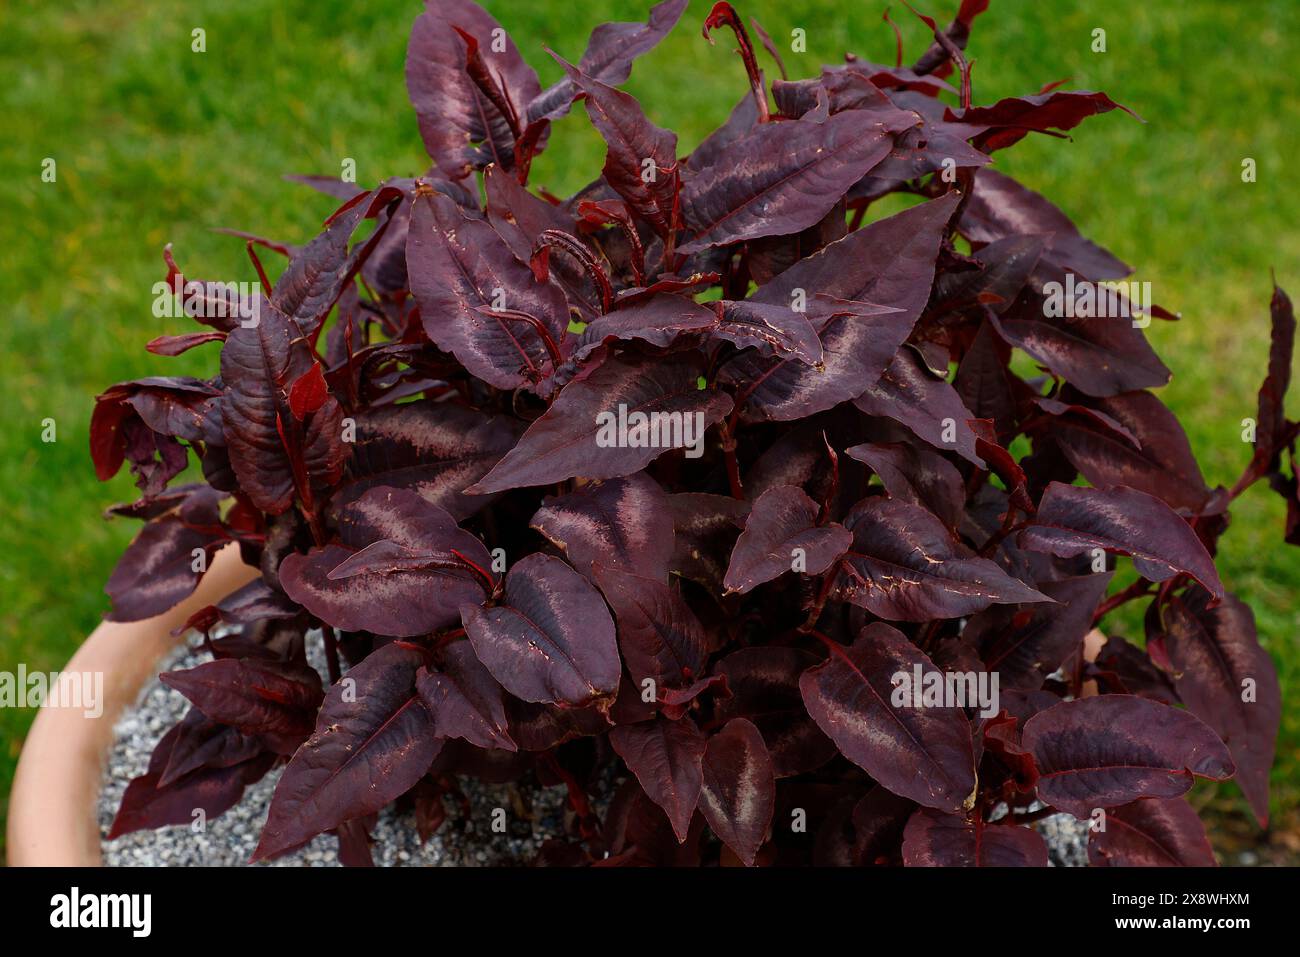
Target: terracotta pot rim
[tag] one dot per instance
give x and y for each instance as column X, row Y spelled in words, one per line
column 53, row 819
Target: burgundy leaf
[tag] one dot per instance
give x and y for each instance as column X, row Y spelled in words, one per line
column 177, row 345
column 459, row 268
column 1024, row 644
column 1073, row 521
column 147, row 803
column 465, row 700
column 1012, row 119
column 201, row 742
column 933, row 839
column 782, row 534
column 610, row 52
column 772, row 329
column 552, row 641
column 929, row 406
column 254, row 696
column 905, row 566
column 641, row 160
column 667, row 758
column 273, row 456
column 1153, row 832
column 1099, row 356
column 1162, row 464
column 159, row 569
column 1106, row 751
column 1273, row 431
column 764, row 684
column 658, row 320
column 373, row 741
column 706, row 528
column 921, row 753
column 891, row 263
column 434, row 449
column 463, row 129
column 1000, row 207
column 916, row 475
column 660, row 637
column 739, row 788
column 316, row 275
column 1228, row 681
column 784, row 177
column 618, row 522
column 393, row 598
column 591, row 428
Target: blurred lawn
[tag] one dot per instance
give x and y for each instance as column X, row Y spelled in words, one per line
column 156, row 143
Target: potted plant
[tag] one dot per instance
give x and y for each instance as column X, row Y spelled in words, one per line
column 708, row 473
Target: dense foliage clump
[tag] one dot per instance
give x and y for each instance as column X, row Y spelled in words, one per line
column 702, row 480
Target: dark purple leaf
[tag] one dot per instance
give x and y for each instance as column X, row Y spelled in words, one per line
column 552, row 641
column 1133, row 440
column 254, row 696
column 610, row 52
column 1106, row 751
column 772, row 329
column 904, row 565
column 1025, row 644
column 201, row 742
column 706, row 529
column 933, row 839
column 921, row 753
column 641, row 160
column 1228, row 681
column 462, row 128
column 784, row 177
column 658, row 320
column 890, row 263
column 782, row 534
column 667, row 758
column 401, row 598
column 916, row 475
column 1073, row 521
column 739, row 788
column 1000, row 207
column 465, row 700
column 929, row 406
column 434, row 449
column 373, row 741
column 764, row 684
column 460, row 267
column 1010, row 120
column 159, row 569
column 590, row 428
column 1151, row 833
column 274, row 455
column 618, row 522
column 661, row 639
column 211, row 791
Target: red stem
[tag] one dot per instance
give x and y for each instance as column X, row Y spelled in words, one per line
column 257, row 264
column 559, row 239
column 331, row 653
column 1134, row 591
column 724, row 14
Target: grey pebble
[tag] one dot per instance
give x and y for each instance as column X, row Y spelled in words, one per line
column 229, row 840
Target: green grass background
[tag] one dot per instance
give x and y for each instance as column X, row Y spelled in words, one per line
column 156, row 143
